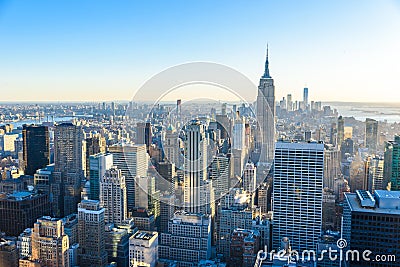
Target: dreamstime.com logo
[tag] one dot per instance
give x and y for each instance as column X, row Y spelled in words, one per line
column 187, row 82
column 333, row 253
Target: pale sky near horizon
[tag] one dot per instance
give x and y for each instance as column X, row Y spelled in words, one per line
column 105, row 50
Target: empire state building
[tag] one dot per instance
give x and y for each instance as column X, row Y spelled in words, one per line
column 266, row 114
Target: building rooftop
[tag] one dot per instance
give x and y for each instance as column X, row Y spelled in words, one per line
column 19, row 196
column 386, row 202
column 183, row 217
column 144, row 235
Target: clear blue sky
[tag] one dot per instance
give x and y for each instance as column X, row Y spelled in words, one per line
column 104, row 50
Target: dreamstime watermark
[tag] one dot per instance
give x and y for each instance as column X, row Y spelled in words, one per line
column 183, row 79
column 333, row 253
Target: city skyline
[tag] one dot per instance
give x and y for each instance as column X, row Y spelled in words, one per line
column 56, row 51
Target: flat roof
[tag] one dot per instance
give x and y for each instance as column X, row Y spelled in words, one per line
column 355, row 206
column 144, row 235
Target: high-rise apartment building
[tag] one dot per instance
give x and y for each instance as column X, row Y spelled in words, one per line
column 113, row 196
column 49, row 242
column 36, row 150
column 91, row 227
column 297, row 194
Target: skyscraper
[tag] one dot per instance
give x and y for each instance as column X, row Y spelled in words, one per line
column 91, row 227
column 266, row 114
column 220, row 175
column 144, row 134
column 297, row 194
column 391, row 170
column 166, row 177
column 49, row 242
column 331, row 166
column 238, row 134
column 375, row 174
column 132, row 161
column 197, row 189
column 371, row 135
column 113, row 196
column 372, row 222
column 340, row 131
column 68, row 168
column 94, row 145
column 305, row 98
column 249, row 178
column 171, row 146
column 98, row 164
column 289, row 103
column 36, row 152
column 146, row 195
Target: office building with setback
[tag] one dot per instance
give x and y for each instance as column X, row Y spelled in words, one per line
column 188, row 240
column 143, row 249
column 49, row 243
column 91, row 227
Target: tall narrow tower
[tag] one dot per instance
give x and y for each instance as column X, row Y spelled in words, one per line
column 197, row 188
column 266, row 114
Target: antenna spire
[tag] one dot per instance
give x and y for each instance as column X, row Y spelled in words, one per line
column 266, row 71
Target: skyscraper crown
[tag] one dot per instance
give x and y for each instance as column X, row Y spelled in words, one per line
column 266, row 71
